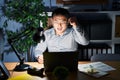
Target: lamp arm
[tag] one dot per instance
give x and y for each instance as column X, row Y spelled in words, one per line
column 22, row 34
column 20, row 57
column 22, row 66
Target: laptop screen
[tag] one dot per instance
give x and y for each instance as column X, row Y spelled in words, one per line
column 56, row 59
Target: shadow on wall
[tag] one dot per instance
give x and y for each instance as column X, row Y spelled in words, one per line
column 10, row 57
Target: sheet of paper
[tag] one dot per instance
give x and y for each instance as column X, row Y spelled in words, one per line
column 95, row 65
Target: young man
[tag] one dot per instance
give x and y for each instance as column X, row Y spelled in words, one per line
column 61, row 37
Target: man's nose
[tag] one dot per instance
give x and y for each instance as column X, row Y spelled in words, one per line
column 60, row 24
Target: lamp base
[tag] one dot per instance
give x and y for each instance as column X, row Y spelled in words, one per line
column 21, row 67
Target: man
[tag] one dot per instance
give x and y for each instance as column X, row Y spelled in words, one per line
column 61, row 37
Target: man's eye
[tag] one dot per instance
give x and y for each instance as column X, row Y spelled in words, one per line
column 63, row 22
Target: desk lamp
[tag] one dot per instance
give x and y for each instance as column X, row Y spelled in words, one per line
column 38, row 36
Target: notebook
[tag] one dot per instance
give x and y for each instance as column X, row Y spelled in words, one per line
column 68, row 60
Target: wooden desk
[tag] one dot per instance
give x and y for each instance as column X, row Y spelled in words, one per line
column 114, row 75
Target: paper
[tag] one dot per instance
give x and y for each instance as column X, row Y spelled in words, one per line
column 100, row 66
column 95, row 69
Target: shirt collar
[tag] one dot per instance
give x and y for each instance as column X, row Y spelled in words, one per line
column 66, row 31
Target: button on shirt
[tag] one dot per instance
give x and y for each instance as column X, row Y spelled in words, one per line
column 61, row 43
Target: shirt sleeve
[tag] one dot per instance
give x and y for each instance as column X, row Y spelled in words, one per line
column 40, row 48
column 80, row 36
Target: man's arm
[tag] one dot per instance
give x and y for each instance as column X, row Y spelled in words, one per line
column 79, row 34
column 39, row 49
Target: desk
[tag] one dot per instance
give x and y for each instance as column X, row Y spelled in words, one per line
column 114, row 75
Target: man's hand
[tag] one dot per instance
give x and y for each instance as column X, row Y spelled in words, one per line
column 40, row 59
column 73, row 21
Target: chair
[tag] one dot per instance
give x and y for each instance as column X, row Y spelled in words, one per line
column 105, row 57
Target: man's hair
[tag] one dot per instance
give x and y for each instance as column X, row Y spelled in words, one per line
column 61, row 11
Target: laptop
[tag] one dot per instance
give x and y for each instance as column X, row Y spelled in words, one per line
column 68, row 60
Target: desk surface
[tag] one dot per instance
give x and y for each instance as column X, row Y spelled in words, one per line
column 113, row 75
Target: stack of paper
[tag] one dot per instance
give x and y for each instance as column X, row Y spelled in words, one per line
column 95, row 69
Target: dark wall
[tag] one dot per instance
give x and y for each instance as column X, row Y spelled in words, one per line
column 101, row 31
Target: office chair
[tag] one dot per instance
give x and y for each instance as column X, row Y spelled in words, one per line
column 105, row 57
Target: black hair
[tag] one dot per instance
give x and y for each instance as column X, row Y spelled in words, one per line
column 61, row 11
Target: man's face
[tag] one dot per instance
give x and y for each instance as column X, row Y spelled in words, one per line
column 59, row 23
